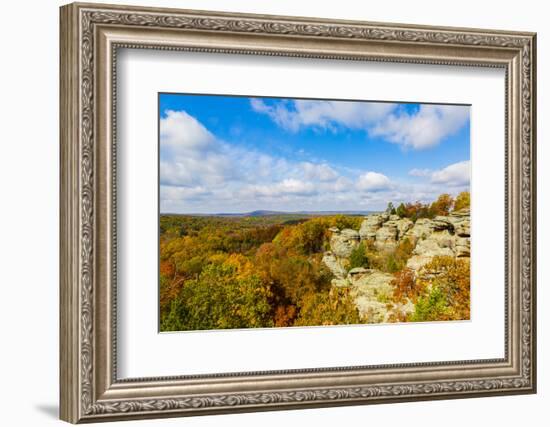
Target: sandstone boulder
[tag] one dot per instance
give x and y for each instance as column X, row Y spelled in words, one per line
column 461, row 222
column 461, row 214
column 416, row 262
column 386, row 236
column 463, row 229
column 340, row 283
column 442, row 223
column 439, row 243
column 370, row 225
column 372, row 310
column 462, row 247
column 403, row 226
column 371, row 290
column 334, row 265
column 372, row 282
column 358, row 271
column 343, row 242
column 422, row 228
column 350, row 234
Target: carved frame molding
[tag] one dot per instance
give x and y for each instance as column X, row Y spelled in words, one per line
column 90, row 37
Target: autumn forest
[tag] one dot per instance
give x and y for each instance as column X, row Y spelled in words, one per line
column 270, row 269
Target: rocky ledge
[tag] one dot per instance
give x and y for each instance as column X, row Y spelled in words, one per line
column 372, row 289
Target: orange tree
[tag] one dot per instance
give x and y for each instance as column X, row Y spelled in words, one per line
column 443, row 205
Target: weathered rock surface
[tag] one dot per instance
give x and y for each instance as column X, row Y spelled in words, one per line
column 403, row 226
column 370, row 225
column 372, row 281
column 386, row 236
column 462, row 247
column 439, row 243
column 461, row 222
column 372, row 290
column 343, row 242
column 334, row 265
column 421, row 229
column 340, row 283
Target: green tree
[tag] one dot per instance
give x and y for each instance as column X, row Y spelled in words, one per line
column 401, row 210
column 431, row 307
column 358, row 257
column 446, row 295
column 390, row 209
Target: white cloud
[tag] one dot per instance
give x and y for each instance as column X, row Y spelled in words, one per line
column 201, row 173
column 285, row 187
column 455, row 174
column 180, row 132
column 321, row 172
column 323, row 114
column 189, row 153
column 425, row 128
column 373, row 181
column 168, row 193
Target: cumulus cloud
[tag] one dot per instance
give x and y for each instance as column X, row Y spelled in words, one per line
column 200, row 173
column 181, row 132
column 293, row 115
column 455, row 174
column 319, row 171
column 425, row 128
column 373, row 181
column 285, row 187
column 189, row 153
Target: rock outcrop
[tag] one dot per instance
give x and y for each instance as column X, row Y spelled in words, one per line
column 370, row 225
column 334, row 265
column 441, row 236
column 372, row 290
column 343, row 242
column 386, row 236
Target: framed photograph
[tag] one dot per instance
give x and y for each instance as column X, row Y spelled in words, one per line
column 266, row 212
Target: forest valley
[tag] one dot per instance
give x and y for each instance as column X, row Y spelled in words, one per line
column 410, row 263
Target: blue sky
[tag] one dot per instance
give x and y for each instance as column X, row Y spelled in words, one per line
column 238, row 154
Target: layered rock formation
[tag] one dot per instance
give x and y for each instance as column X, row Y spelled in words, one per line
column 441, row 236
column 372, row 289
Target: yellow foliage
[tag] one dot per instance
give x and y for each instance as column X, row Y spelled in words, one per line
column 242, row 265
column 462, row 201
column 448, row 279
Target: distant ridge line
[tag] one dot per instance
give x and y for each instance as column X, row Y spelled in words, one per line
column 257, row 213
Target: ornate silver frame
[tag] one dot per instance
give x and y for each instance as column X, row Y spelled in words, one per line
column 90, row 36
